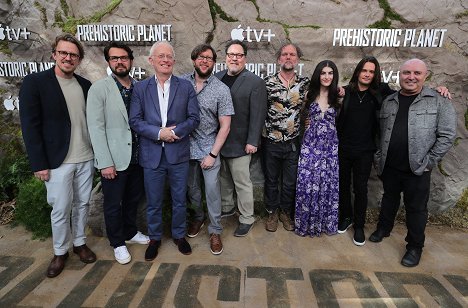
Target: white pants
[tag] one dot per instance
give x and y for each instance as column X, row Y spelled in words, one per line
column 68, row 191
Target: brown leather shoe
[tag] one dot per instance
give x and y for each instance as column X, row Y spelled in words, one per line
column 216, row 245
column 86, row 255
column 286, row 220
column 272, row 222
column 56, row 265
column 194, row 228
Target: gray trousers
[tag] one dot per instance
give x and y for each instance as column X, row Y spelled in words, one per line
column 235, row 174
column 68, row 192
column 212, row 193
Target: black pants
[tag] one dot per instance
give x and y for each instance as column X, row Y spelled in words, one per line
column 121, row 198
column 358, row 165
column 415, row 196
column 280, row 162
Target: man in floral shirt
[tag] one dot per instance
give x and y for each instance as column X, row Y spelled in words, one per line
column 281, row 142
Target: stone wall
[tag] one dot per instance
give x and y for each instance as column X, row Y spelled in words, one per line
column 310, row 24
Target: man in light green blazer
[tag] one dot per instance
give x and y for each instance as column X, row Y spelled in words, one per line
column 116, row 148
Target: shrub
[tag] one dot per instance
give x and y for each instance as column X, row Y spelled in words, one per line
column 32, row 209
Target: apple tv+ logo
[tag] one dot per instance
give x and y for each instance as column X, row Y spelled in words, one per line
column 251, row 35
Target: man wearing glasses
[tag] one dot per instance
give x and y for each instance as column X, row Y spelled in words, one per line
column 250, row 102
column 163, row 112
column 53, row 122
column 206, row 142
column 115, row 148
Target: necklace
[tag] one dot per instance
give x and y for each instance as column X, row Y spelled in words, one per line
column 285, row 79
column 361, row 98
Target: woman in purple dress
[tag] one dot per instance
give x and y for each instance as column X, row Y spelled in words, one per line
column 317, row 174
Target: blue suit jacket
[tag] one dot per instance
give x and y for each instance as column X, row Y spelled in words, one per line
column 145, row 120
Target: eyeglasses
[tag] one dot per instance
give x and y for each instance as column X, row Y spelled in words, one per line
column 163, row 56
column 122, row 58
column 64, row 55
column 235, row 55
column 207, row 59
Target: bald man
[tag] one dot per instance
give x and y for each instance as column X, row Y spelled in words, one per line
column 417, row 127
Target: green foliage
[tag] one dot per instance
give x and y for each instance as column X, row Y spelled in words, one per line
column 4, row 48
column 462, row 14
column 58, row 17
column 64, row 6
column 389, row 14
column 463, row 201
column 32, row 209
column 14, row 167
column 70, row 23
column 43, row 11
column 215, row 9
column 466, row 119
column 457, row 141
column 381, row 24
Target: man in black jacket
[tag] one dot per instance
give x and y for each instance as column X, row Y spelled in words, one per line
column 53, row 122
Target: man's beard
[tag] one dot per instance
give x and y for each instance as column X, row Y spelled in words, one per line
column 203, row 75
column 120, row 73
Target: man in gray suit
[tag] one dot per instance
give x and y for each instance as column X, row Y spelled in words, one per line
column 115, row 148
column 250, row 102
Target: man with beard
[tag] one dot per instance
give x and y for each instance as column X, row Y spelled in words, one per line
column 206, row 141
column 281, row 142
column 249, row 98
column 53, row 123
column 115, row 148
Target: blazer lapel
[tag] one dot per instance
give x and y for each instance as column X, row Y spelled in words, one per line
column 153, row 93
column 238, row 81
column 120, row 103
column 172, row 91
column 57, row 89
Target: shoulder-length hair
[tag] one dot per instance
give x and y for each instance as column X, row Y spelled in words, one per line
column 375, row 84
column 314, row 85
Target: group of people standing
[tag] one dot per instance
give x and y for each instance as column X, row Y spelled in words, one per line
column 198, row 132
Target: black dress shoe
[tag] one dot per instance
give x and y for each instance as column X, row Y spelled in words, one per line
column 56, row 265
column 378, row 235
column 411, row 257
column 183, row 245
column 152, row 250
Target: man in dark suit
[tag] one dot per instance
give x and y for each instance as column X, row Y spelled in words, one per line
column 249, row 97
column 163, row 112
column 53, row 123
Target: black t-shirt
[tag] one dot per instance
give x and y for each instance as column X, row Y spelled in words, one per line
column 397, row 156
column 359, row 123
column 229, row 80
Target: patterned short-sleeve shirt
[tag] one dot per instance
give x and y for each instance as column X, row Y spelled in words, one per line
column 284, row 108
column 214, row 101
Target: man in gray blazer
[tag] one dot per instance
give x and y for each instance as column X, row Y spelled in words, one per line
column 250, row 103
column 417, row 128
column 115, row 148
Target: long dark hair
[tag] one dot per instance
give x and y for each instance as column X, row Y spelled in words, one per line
column 375, row 84
column 314, row 85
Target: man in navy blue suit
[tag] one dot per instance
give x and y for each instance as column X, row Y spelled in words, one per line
column 163, row 112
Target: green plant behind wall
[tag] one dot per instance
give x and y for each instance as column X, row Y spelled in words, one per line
column 32, row 210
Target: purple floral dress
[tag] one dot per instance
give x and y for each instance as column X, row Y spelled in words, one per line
column 317, row 176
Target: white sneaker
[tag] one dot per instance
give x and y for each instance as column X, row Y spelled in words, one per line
column 122, row 255
column 139, row 238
